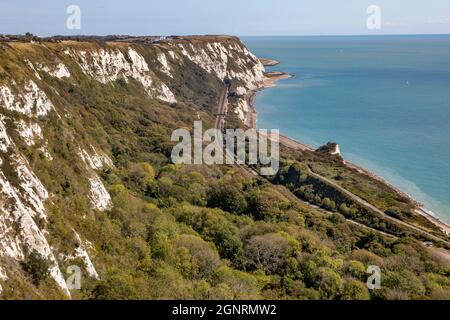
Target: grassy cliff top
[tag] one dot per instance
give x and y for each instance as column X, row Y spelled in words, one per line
column 29, row 38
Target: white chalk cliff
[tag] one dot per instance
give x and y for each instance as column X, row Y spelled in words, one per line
column 33, row 99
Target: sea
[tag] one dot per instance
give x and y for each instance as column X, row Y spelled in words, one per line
column 384, row 99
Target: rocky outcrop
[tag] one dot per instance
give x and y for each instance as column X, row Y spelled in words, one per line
column 22, row 194
column 229, row 61
column 112, row 64
column 31, row 101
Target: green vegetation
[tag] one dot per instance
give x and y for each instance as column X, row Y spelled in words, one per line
column 295, row 174
column 37, row 266
column 205, row 232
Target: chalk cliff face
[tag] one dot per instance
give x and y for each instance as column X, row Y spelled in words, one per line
column 230, row 61
column 54, row 148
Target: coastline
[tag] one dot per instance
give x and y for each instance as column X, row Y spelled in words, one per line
column 270, row 81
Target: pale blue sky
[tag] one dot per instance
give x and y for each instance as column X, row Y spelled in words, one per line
column 239, row 17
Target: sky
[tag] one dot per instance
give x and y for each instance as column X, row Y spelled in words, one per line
column 237, row 17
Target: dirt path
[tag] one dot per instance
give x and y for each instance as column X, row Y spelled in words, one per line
column 372, row 208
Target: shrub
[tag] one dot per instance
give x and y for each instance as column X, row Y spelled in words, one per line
column 37, row 266
column 118, row 285
column 344, row 209
column 328, row 282
column 404, row 281
column 356, row 269
column 212, row 225
column 267, row 204
column 142, row 175
column 243, row 286
column 355, row 290
column 202, row 258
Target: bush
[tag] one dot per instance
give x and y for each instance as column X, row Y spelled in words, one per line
column 142, row 175
column 118, row 285
column 198, row 258
column 356, row 269
column 329, row 204
column 404, row 281
column 243, row 286
column 37, row 266
column 267, row 204
column 228, row 197
column 394, row 212
column 344, row 209
column 355, row 290
column 212, row 225
column 328, row 282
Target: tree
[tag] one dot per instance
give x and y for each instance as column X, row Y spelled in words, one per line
column 119, row 285
column 202, row 257
column 213, row 226
column 317, row 200
column 329, row 204
column 355, row 290
column 267, row 204
column 326, row 203
column 404, row 281
column 228, row 197
column 344, row 209
column 366, row 257
column 328, row 282
column 268, row 252
column 394, row 212
column 244, row 286
column 356, row 269
column 298, row 290
column 142, row 175
column 333, row 205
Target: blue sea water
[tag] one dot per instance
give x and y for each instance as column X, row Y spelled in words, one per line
column 384, row 99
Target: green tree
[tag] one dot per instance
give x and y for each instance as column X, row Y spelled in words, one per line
column 228, row 197
column 328, row 282
column 317, row 200
column 355, row 290
column 142, row 175
column 213, row 226
column 267, row 204
column 356, row 269
column 344, row 209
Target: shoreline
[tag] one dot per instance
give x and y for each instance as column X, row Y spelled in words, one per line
column 270, row 82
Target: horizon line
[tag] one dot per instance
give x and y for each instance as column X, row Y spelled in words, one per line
column 236, row 35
